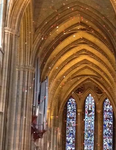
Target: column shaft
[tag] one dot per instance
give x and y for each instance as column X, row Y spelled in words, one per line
column 20, row 111
column 99, row 130
column 8, row 78
column 79, row 133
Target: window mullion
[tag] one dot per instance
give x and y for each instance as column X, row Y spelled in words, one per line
column 79, row 140
column 99, row 130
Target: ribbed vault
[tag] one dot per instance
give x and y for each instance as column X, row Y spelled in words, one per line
column 75, row 49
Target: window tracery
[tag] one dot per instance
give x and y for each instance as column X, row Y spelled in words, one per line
column 89, row 124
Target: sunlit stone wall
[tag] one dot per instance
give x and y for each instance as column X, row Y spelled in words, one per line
column 1, row 13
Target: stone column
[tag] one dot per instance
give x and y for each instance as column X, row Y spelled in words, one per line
column 55, row 138
column 54, row 141
column 48, row 139
column 1, row 19
column 99, row 130
column 54, row 134
column 20, row 113
column 45, row 140
column 52, row 138
column 79, row 133
column 61, row 131
column 1, row 129
column 8, row 76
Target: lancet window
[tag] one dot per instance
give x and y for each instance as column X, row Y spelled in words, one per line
column 107, row 125
column 71, row 125
column 90, row 123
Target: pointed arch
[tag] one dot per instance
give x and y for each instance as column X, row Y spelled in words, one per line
column 64, row 21
column 88, row 92
column 14, row 14
column 72, row 89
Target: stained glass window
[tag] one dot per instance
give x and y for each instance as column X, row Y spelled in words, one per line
column 71, row 124
column 107, row 126
column 89, row 123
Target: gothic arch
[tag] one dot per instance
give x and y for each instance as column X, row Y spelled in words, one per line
column 44, row 31
column 70, row 89
column 23, row 70
column 79, row 101
column 11, row 71
column 59, row 63
column 14, row 15
column 85, row 94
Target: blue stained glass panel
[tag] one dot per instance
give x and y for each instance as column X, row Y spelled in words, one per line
column 107, row 126
column 71, row 124
column 89, row 123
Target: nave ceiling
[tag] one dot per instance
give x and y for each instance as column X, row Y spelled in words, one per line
column 75, row 45
column 73, row 40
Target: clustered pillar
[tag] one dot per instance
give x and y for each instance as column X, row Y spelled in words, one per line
column 18, row 93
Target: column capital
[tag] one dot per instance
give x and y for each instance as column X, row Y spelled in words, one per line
column 79, row 110
column 11, row 31
column 25, row 68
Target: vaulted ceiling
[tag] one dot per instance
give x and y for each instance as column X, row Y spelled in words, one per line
column 44, row 8
column 76, row 44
